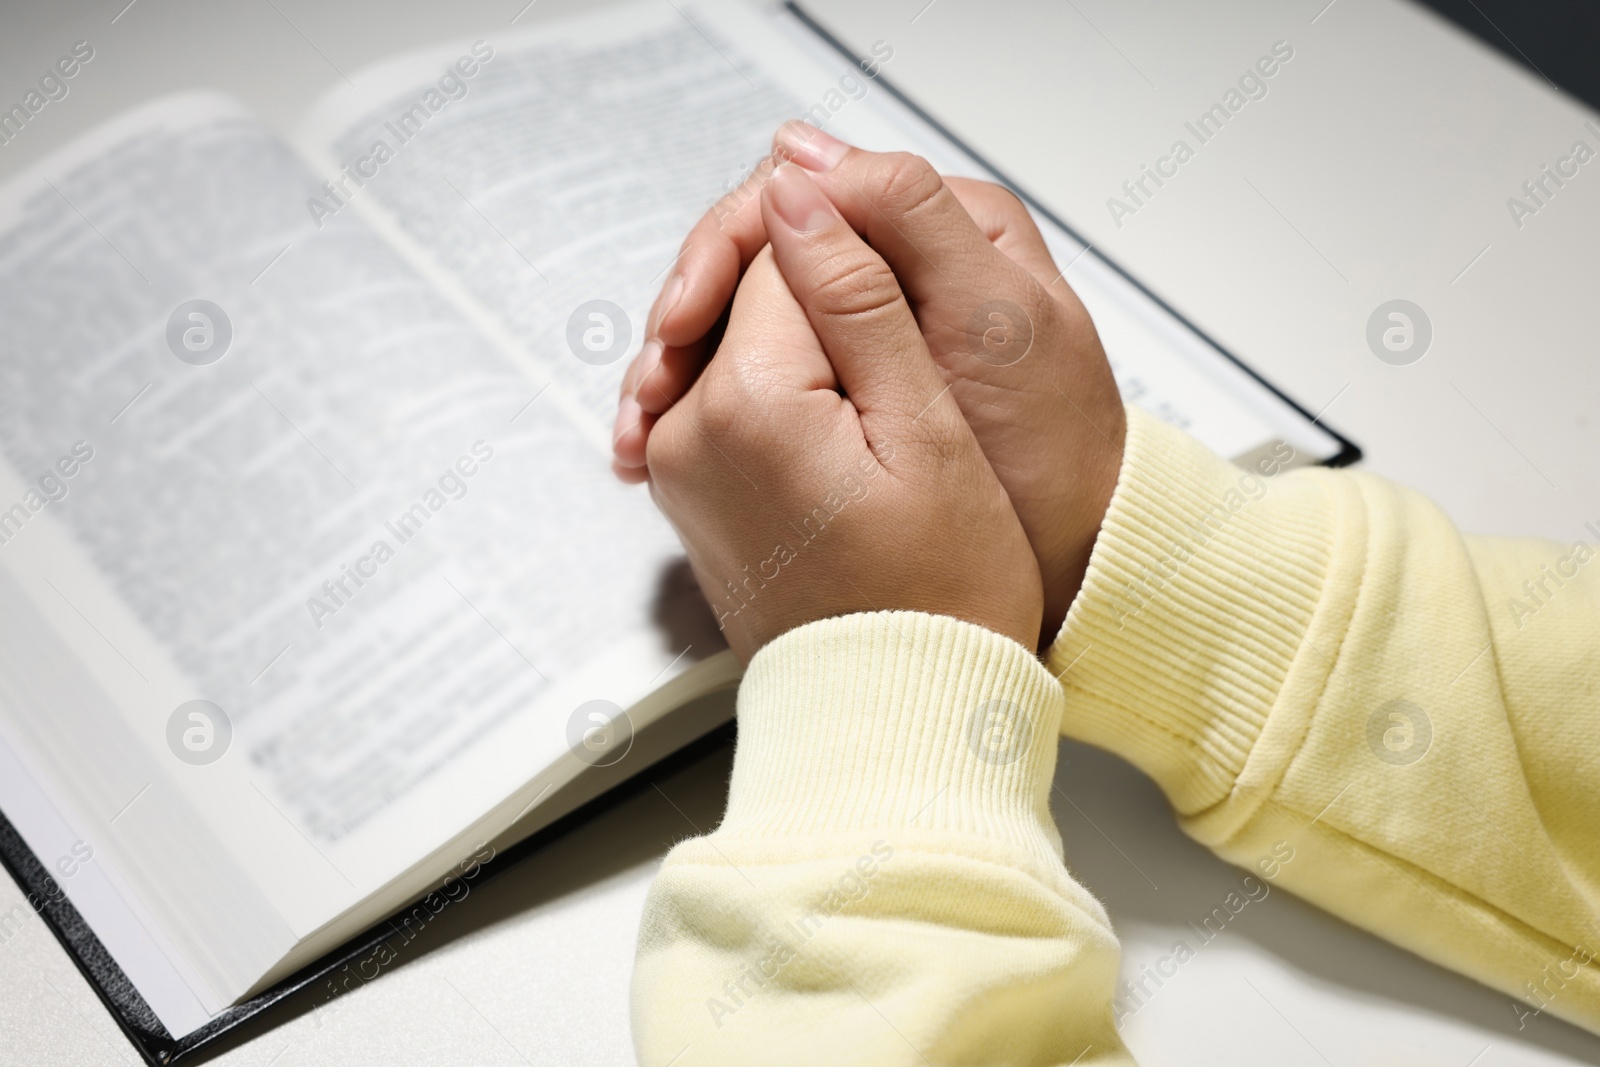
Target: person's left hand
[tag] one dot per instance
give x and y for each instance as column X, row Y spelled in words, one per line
column 817, row 468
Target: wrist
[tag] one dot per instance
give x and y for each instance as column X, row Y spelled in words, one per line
column 897, row 721
column 1206, row 582
column 1065, row 563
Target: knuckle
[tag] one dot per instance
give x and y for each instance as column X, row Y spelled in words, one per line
column 719, row 416
column 992, row 197
column 1006, row 202
column 750, row 384
column 670, row 449
column 727, row 418
column 906, row 182
column 853, row 283
column 1060, row 316
column 997, row 210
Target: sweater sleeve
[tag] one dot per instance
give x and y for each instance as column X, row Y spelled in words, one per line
column 1319, row 666
column 887, row 886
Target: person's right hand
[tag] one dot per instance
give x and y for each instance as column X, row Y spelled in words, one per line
column 1013, row 343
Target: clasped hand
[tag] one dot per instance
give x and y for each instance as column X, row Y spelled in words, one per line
column 905, row 407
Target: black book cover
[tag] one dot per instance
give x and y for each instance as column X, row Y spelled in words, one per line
column 158, row 1047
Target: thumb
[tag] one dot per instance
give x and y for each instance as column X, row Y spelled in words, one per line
column 853, row 302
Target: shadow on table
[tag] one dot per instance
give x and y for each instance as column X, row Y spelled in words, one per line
column 681, row 797
column 1123, row 842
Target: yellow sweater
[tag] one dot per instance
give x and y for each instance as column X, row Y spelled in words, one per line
column 1317, row 662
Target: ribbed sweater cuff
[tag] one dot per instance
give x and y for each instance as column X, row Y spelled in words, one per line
column 1202, row 589
column 896, row 721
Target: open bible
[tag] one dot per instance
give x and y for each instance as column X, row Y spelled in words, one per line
column 315, row 585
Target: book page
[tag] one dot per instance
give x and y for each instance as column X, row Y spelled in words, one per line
column 380, row 550
column 566, row 169
column 569, row 164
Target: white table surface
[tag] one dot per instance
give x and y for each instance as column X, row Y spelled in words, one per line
column 1377, row 167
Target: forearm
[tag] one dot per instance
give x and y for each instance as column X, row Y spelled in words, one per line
column 887, row 886
column 1321, row 658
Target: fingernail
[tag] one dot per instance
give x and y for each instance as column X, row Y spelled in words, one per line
column 799, row 202
column 810, row 147
column 628, row 414
column 670, row 296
